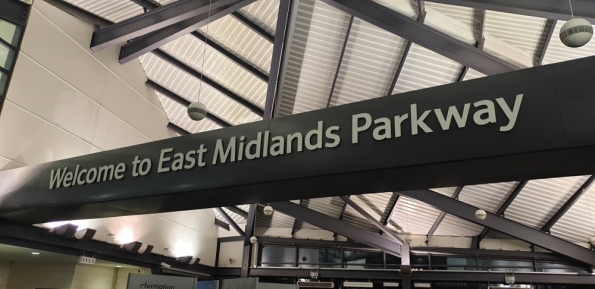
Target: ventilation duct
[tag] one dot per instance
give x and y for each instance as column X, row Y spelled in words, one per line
column 308, row 284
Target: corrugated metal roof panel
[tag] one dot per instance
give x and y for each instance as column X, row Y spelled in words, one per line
column 235, row 217
column 457, row 227
column 241, row 41
column 373, row 204
column 488, row 197
column 264, row 13
column 473, row 74
column 540, row 199
column 424, row 68
column 578, row 224
column 312, row 57
column 462, row 14
column 524, row 32
column 445, row 191
column 371, row 59
column 413, row 216
column 113, row 10
column 187, row 86
column 176, row 113
column 276, row 220
column 218, row 67
column 404, row 7
column 558, row 52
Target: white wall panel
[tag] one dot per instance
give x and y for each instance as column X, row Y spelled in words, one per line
column 233, row 251
column 52, row 99
column 112, row 132
column 6, row 164
column 28, row 139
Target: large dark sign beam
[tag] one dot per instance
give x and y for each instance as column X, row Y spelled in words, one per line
column 153, row 40
column 423, row 35
column 350, row 231
column 550, row 9
column 526, row 124
column 508, row 227
column 152, row 21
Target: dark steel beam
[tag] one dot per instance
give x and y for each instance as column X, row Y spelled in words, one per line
column 231, row 222
column 171, row 95
column 249, row 67
column 312, row 243
column 423, row 35
column 247, row 251
column 372, row 220
column 222, row 224
column 334, row 225
column 151, row 4
column 427, row 276
column 341, row 216
column 503, row 225
column 463, row 73
column 548, row 32
column 153, row 40
column 147, row 4
column 177, row 129
column 550, row 9
column 573, row 199
column 182, row 66
column 238, row 211
column 80, row 13
column 283, row 21
column 442, row 215
column 330, row 96
column 498, row 254
column 231, row 239
column 295, row 221
column 259, row 30
column 519, row 187
column 392, row 209
column 152, row 21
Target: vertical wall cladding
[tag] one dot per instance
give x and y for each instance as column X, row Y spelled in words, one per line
column 65, row 101
column 93, row 277
column 40, row 275
column 4, row 273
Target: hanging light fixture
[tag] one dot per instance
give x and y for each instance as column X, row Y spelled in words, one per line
column 577, row 32
column 197, row 110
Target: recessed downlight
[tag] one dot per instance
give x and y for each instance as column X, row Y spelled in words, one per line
column 118, row 266
column 35, row 253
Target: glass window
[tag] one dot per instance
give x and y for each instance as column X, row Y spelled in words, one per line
column 6, row 57
column 363, row 260
column 503, row 265
column 10, row 33
column 274, row 256
column 324, row 258
column 3, row 80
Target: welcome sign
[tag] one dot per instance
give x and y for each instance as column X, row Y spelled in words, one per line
column 533, row 123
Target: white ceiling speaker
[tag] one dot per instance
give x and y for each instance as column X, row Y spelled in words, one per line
column 592, row 241
column 197, row 111
column 253, row 239
column 268, row 210
column 576, row 32
column 480, row 214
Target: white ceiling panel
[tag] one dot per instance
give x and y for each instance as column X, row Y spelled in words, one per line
column 313, row 56
column 224, row 71
column 413, row 216
column 540, row 199
column 488, row 197
column 473, row 74
column 264, row 13
column 424, row 68
column 113, row 10
column 524, row 32
column 445, row 191
column 578, row 224
column 191, row 89
column 558, row 52
column 408, row 8
column 241, row 41
column 457, row 227
column 371, row 58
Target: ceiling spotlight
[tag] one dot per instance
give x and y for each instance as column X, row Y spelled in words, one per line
column 34, row 253
column 84, row 235
column 145, row 249
column 132, row 247
column 185, row 259
column 66, row 231
column 194, row 261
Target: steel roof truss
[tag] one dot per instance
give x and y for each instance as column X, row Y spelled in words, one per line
column 231, row 222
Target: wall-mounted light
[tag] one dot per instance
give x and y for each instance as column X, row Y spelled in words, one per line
column 66, row 231
column 188, row 260
column 132, row 247
column 84, row 235
column 145, row 249
column 35, row 253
